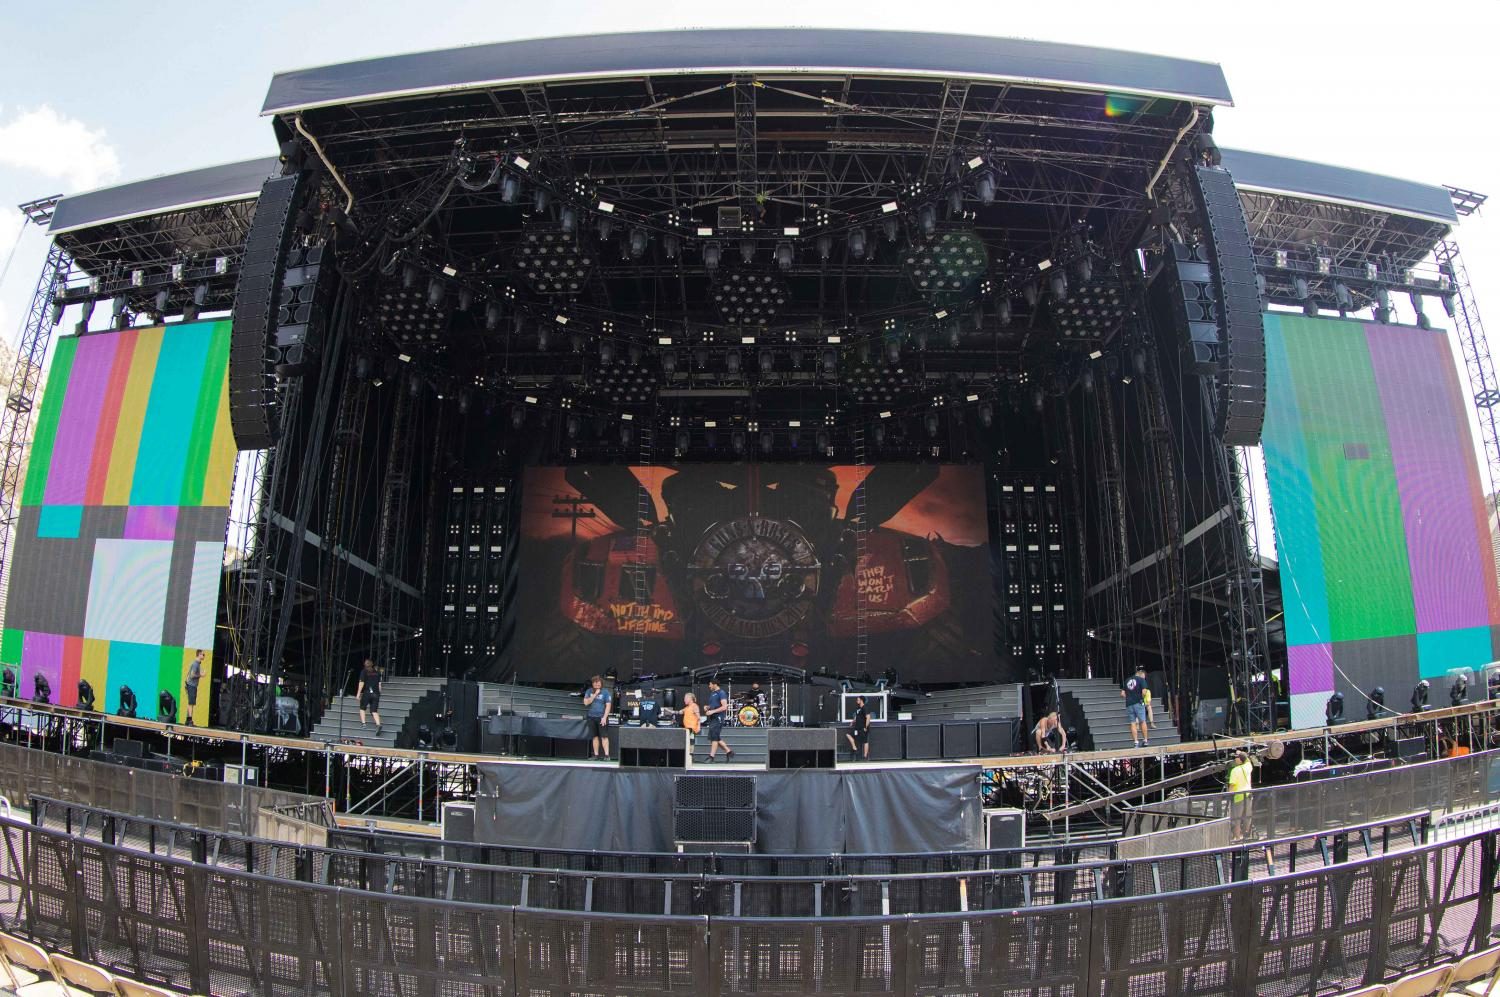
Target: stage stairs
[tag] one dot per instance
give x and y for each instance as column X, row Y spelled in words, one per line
column 397, row 697
column 1095, row 708
column 749, row 744
column 983, row 702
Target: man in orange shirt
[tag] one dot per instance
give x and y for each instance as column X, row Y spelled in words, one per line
column 691, row 720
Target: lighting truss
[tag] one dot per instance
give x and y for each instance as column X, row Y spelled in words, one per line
column 623, row 383
column 951, row 261
column 872, row 384
column 408, row 316
column 1091, row 313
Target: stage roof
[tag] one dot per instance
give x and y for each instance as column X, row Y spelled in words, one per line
column 1257, row 171
column 792, row 50
column 162, row 194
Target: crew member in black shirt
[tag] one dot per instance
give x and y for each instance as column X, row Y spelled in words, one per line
column 859, row 730
column 1133, row 691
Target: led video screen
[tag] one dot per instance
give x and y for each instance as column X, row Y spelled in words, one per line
column 119, row 540
column 718, row 563
column 1386, row 567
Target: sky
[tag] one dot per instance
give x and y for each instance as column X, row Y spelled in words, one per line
column 109, row 92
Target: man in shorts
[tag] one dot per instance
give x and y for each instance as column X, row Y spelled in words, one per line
column 599, row 703
column 368, row 694
column 1239, row 804
column 859, row 730
column 718, row 709
column 1133, row 691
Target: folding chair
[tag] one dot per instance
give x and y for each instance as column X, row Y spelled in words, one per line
column 80, row 979
column 21, row 957
column 131, row 988
column 1424, row 984
column 1476, row 974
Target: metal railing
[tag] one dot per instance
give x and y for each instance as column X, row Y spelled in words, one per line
column 213, row 930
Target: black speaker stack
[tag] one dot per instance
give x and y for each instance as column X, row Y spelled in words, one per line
column 306, row 299
column 253, row 353
column 1035, row 622
column 801, row 748
column 653, row 747
column 718, row 809
column 476, row 573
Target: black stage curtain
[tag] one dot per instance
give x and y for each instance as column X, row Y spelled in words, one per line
column 581, row 807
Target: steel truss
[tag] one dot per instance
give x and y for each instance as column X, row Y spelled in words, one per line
column 25, row 383
column 1483, row 381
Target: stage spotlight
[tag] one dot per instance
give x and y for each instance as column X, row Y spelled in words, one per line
column 830, row 362
column 670, row 246
column 634, row 352
column 930, row 420
column 465, row 299
column 1376, row 704
column 710, row 438
column 41, row 689
column 637, row 243
column 492, row 316
column 86, row 311
column 1382, row 306
column 737, row 441
column 890, row 227
column 1458, row 692
column 893, row 350
column 857, row 243
column 163, row 299
column 985, row 188
column 953, row 334
column 795, row 438
column 767, row 361
column 767, row 441
column 669, row 362
column 822, row 440
column 825, row 246
column 567, row 219
column 1058, row 282
column 1038, row 399
column 1031, row 293
column 605, row 226
column 166, row 708
column 747, row 251
column 955, row 203
column 927, row 219
column 921, row 339
column 1333, row 710
column 606, row 351
column 574, row 424
column 796, row 356
column 517, row 417
column 1423, row 321
column 1087, row 380
column 465, row 402
column 879, row 434
column 684, row 440
column 510, row 189
column 1002, row 312
column 127, row 702
column 732, row 362
column 1450, row 303
column 784, row 255
column 1343, row 296
column 1419, row 697
column 436, row 291
column 542, row 336
column 85, row 695
column 540, row 198
column 986, row 415
column 1084, row 269
column 712, row 252
column 625, row 434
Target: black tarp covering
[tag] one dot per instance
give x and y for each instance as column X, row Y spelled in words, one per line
column 807, row 811
column 576, row 728
column 794, row 49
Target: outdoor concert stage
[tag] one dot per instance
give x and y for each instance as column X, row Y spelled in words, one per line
column 907, row 364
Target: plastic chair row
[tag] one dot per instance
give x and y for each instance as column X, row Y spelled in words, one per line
column 1476, row 975
column 31, row 971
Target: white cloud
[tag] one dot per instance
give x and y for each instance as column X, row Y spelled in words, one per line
column 41, row 140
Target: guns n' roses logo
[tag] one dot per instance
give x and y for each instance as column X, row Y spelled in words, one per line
column 753, row 577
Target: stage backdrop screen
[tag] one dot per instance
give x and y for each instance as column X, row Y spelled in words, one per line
column 716, row 563
column 1386, row 569
column 119, row 541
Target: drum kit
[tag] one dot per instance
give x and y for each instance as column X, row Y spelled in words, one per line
column 757, row 707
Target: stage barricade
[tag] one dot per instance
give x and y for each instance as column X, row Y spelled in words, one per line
column 198, row 802
column 198, row 928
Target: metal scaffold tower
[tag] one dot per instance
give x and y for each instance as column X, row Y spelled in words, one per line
column 26, row 382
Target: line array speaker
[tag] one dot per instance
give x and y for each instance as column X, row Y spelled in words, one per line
column 801, row 748
column 1242, row 368
column 253, row 413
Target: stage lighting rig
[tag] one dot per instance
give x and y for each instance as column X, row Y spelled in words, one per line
column 872, row 384
column 41, row 689
column 85, row 695
column 1458, row 692
column 622, row 383
column 554, row 261
column 1375, row 705
column 1419, row 697
column 951, row 261
column 1093, row 312
column 1333, row 710
column 407, row 315
column 750, row 298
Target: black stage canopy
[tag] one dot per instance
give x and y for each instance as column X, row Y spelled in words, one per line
column 1257, row 171
column 163, row 194
column 749, row 50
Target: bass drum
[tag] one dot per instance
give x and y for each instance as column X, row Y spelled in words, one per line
column 749, row 716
